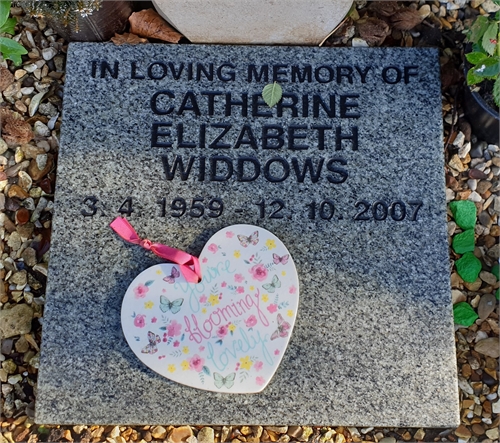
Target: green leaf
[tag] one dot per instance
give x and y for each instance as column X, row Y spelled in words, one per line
column 464, row 212
column 4, row 11
column 10, row 46
column 494, row 270
column 464, row 242
column 8, row 26
column 496, row 91
column 472, row 78
column 464, row 315
column 490, row 67
column 478, row 29
column 489, row 40
column 468, row 267
column 149, row 282
column 475, row 57
column 272, row 94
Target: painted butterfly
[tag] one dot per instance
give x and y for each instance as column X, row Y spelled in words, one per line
column 227, row 381
column 245, row 241
column 151, row 347
column 275, row 284
column 173, row 306
column 173, row 275
column 283, row 260
column 283, row 328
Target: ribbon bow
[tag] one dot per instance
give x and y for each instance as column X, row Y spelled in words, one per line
column 188, row 264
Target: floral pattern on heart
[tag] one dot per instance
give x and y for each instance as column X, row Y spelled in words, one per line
column 227, row 333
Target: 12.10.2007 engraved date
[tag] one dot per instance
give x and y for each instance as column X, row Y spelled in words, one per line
column 214, row 207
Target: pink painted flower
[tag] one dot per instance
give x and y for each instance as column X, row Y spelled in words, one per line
column 229, row 234
column 251, row 321
column 140, row 291
column 223, row 284
column 196, row 363
column 238, row 278
column 258, row 365
column 240, row 290
column 176, row 343
column 259, row 272
column 260, row 381
column 174, row 329
column 202, row 348
column 140, row 321
column 272, row 308
column 154, row 320
column 292, row 289
column 277, row 352
column 213, row 248
column 203, row 299
column 222, row 331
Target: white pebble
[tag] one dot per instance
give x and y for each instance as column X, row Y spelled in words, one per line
column 359, row 43
column 493, row 148
column 472, row 184
column 496, row 407
column 492, row 396
column 459, row 139
column 49, row 53
column 41, row 129
column 475, row 197
column 450, row 195
column 464, row 150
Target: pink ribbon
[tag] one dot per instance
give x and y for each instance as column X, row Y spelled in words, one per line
column 188, row 264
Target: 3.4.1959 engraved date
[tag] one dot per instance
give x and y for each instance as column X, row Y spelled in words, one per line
column 214, row 207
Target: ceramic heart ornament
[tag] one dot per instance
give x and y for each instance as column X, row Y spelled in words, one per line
column 227, row 333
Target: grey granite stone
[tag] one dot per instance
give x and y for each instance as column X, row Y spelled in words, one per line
column 373, row 343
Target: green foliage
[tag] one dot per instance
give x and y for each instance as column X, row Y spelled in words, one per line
column 464, row 213
column 10, row 49
column 468, row 267
column 464, row 315
column 494, row 270
column 464, row 242
column 484, row 34
column 64, row 12
column 272, row 94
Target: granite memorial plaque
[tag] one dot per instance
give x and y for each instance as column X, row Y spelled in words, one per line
column 347, row 171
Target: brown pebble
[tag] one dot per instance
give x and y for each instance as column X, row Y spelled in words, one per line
column 467, row 403
column 478, row 429
column 477, row 174
column 6, row 78
column 466, row 370
column 495, row 231
column 15, row 191
column 489, row 346
column 487, row 407
column 22, row 216
column 462, row 432
column 180, row 434
column 35, row 173
column 486, row 305
column 46, row 185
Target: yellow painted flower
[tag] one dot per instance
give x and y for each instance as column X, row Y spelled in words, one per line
column 148, row 305
column 246, row 363
column 213, row 300
column 289, row 313
column 159, row 272
column 237, row 254
column 204, row 311
column 283, row 273
column 232, row 327
column 185, row 365
column 270, row 244
column 265, row 298
column 185, row 350
column 252, row 288
column 171, row 368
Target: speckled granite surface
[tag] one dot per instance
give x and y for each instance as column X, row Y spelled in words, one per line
column 373, row 343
